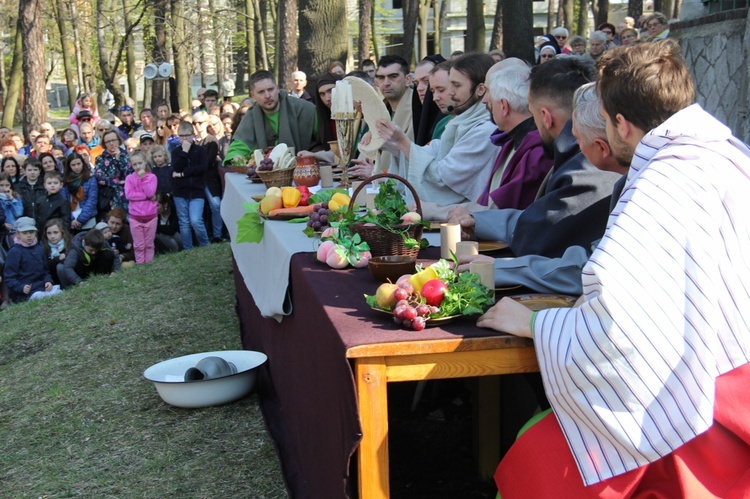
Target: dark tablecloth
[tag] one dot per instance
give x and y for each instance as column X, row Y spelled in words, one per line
column 306, row 388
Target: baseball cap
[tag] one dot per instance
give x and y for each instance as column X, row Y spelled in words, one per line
column 101, row 226
column 146, row 136
column 24, row 224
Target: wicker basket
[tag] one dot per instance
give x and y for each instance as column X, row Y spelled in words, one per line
column 383, row 242
column 239, row 168
column 276, row 178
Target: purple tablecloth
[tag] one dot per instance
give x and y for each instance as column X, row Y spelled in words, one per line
column 307, row 388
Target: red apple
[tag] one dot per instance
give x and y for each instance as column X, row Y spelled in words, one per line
column 434, row 292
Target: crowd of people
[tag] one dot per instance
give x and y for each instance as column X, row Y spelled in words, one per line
column 110, row 191
column 597, row 169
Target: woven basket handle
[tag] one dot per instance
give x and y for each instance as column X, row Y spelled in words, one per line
column 387, row 175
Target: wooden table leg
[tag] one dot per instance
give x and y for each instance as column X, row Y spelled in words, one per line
column 372, row 455
column 487, row 424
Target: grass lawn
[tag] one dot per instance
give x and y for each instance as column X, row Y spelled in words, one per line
column 77, row 417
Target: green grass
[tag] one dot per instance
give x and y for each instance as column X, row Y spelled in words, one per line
column 77, row 417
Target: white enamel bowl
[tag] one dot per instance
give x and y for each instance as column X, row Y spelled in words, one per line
column 169, row 379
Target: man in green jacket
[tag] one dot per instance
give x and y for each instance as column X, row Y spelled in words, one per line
column 274, row 119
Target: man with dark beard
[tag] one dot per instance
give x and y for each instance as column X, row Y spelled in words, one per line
column 572, row 206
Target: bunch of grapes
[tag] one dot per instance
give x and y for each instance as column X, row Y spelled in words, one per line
column 319, row 217
column 266, row 164
column 251, row 172
column 409, row 312
column 412, row 316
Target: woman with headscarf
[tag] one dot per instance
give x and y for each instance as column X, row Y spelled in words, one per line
column 326, row 125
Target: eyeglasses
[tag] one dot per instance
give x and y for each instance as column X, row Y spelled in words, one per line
column 606, row 32
column 84, row 119
column 111, row 141
column 561, row 37
column 101, row 130
column 186, row 136
column 126, row 108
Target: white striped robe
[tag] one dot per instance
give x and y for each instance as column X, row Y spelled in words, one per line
column 631, row 372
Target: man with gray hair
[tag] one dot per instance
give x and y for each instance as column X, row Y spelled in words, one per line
column 299, row 81
column 521, row 165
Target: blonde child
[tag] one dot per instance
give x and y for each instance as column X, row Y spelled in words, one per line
column 87, row 102
column 140, row 189
column 161, row 167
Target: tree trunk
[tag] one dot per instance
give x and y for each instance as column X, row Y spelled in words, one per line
column 3, row 85
column 658, row 6
column 410, row 9
column 667, row 8
column 583, row 18
column 77, row 45
column 322, row 34
column 159, row 54
column 437, row 23
column 568, row 7
column 363, row 43
column 375, row 50
column 286, row 50
column 217, row 41
column 518, row 30
column 260, row 30
column 424, row 17
column 129, row 51
column 635, row 9
column 496, row 41
column 602, row 13
column 677, row 9
column 182, row 75
column 474, row 27
column 16, row 79
column 551, row 11
column 35, row 96
column 67, row 50
column 595, row 12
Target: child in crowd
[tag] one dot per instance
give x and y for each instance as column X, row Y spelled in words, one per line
column 122, row 240
column 168, row 238
column 57, row 244
column 11, row 207
column 173, row 139
column 30, row 187
column 25, row 271
column 86, row 101
column 81, row 190
column 88, row 255
column 162, row 168
column 10, row 166
column 54, row 204
column 140, row 189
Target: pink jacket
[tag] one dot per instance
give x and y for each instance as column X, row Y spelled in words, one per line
column 77, row 109
column 139, row 192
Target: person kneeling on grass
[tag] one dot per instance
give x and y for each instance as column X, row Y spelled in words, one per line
column 25, row 272
column 89, row 255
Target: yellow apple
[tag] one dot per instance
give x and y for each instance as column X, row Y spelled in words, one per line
column 384, row 295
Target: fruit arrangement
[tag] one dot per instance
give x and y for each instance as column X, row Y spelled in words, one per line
column 277, row 158
column 433, row 292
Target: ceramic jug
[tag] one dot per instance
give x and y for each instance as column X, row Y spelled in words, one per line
column 307, row 171
column 210, row 368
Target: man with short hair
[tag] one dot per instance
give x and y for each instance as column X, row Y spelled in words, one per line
column 299, row 82
column 128, row 125
column 572, row 206
column 648, row 374
column 521, row 165
column 162, row 111
column 440, row 85
column 368, row 66
column 210, row 100
column 87, row 136
column 455, row 168
column 393, row 80
column 147, row 121
column 276, row 118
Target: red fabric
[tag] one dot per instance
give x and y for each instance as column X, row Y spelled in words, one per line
column 714, row 464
